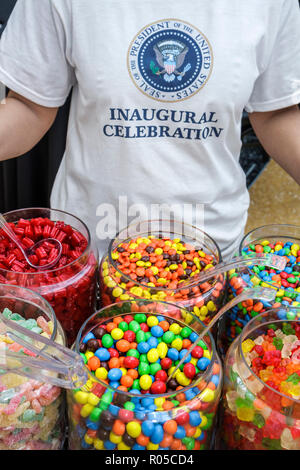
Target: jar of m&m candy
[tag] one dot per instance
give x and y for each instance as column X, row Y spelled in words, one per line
column 261, row 397
column 130, row 400
column 31, row 411
column 70, row 285
column 282, row 240
column 161, row 260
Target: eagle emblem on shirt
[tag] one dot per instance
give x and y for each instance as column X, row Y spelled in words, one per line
column 170, row 56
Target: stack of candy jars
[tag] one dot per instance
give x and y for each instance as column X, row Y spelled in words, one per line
column 261, row 402
column 129, row 350
column 281, row 240
column 31, row 410
column 168, row 261
column 70, row 285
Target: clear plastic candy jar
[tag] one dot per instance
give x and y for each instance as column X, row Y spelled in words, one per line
column 69, row 286
column 261, row 393
column 161, row 260
column 282, row 240
column 31, row 412
column 130, row 349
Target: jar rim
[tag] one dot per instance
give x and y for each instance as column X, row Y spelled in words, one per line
column 191, row 282
column 36, row 294
column 55, row 270
column 247, row 331
column 270, row 227
column 140, row 395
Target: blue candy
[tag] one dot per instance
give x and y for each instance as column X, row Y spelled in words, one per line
column 203, row 363
column 147, row 428
column 114, row 374
column 102, row 354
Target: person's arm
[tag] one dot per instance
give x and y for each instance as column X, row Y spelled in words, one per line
column 279, row 133
column 22, row 125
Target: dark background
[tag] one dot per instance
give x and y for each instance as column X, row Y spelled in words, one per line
column 27, row 180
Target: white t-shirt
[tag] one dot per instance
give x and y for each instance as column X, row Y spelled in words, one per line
column 159, row 87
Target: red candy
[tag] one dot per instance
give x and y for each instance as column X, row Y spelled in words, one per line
column 161, row 376
column 158, row 387
column 131, row 362
column 197, row 352
column 189, row 370
column 166, row 363
column 70, row 286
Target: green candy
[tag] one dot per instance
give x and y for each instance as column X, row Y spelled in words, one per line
column 95, row 414
column 134, row 326
column 143, row 358
column 155, row 367
column 294, row 378
column 278, row 343
column 129, row 406
column 107, row 341
column 132, row 353
column 185, row 332
column 140, row 318
column 140, row 336
column 168, row 337
column 123, row 325
column 136, row 385
column 189, row 442
column 143, row 368
column 28, row 415
column 258, row 421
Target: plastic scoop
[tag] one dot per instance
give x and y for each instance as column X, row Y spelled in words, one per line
column 50, row 243
column 53, row 363
column 48, row 361
column 262, row 259
column 260, row 293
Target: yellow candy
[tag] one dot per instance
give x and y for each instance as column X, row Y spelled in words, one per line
column 173, row 267
column 162, row 349
column 89, row 440
column 159, row 402
column 175, row 328
column 151, row 446
column 145, row 382
column 81, row 397
column 177, row 344
column 101, row 373
column 93, row 399
column 86, row 410
column 152, row 355
column 245, row 414
column 117, row 333
column 247, row 345
column 207, row 395
column 98, row 444
column 115, row 438
column 117, row 291
column 211, row 306
column 154, row 269
column 123, row 446
column 159, row 251
column 182, row 379
column 203, row 311
column 133, row 428
column 206, row 354
column 152, row 321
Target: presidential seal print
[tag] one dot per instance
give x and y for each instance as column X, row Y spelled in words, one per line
column 170, row 60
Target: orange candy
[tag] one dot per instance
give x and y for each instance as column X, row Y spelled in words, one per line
column 126, row 380
column 119, row 427
column 170, row 426
column 123, row 345
column 93, row 363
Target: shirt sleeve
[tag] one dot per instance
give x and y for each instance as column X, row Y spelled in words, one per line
column 33, row 53
column 278, row 86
